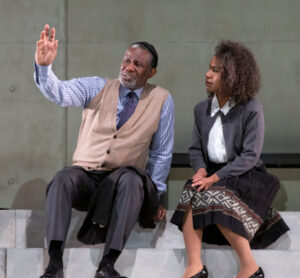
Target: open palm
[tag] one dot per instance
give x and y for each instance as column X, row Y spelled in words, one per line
column 46, row 47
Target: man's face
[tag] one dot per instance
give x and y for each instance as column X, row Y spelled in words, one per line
column 213, row 76
column 136, row 68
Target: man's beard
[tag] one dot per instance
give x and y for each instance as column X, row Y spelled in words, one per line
column 128, row 84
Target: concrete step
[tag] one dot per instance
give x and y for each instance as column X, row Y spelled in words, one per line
column 25, row 229
column 2, row 262
column 146, row 263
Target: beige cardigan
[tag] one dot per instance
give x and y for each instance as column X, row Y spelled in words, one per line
column 101, row 146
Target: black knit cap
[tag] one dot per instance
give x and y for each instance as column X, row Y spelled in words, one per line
column 151, row 49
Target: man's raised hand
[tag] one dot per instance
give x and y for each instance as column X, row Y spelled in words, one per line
column 46, row 47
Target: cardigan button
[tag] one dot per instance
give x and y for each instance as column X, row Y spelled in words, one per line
column 108, row 151
column 115, row 137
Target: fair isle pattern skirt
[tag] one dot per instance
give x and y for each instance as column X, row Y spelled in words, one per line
column 241, row 204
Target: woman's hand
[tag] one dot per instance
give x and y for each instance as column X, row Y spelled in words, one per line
column 203, row 182
column 201, row 173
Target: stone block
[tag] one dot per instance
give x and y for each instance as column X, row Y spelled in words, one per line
column 24, row 263
column 30, row 229
column 26, row 229
column 149, row 263
column 224, row 263
column 164, row 236
column 2, row 263
column 159, row 263
column 291, row 239
column 7, row 229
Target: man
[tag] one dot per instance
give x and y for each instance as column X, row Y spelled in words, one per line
column 126, row 136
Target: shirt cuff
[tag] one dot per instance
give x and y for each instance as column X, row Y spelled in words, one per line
column 41, row 72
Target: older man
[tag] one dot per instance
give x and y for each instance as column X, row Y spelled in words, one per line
column 123, row 153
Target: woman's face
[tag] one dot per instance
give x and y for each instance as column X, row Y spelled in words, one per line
column 213, row 76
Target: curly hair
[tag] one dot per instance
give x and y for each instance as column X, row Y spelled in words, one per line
column 240, row 74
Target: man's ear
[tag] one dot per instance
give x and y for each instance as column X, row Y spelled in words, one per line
column 152, row 72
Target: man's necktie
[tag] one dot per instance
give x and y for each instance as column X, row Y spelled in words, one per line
column 128, row 109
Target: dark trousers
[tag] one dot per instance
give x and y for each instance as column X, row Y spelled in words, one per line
column 73, row 187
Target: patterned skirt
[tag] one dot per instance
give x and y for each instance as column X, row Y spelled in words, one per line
column 240, row 203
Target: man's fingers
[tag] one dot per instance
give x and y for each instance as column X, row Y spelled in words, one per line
column 46, row 31
column 39, row 44
column 156, row 217
column 162, row 214
column 55, row 45
column 52, row 36
column 43, row 35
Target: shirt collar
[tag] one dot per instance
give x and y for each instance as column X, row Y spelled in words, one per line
column 125, row 91
column 215, row 108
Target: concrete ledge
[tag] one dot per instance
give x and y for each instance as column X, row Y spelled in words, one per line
column 25, row 229
column 7, row 228
column 24, row 262
column 2, row 262
column 150, row 263
column 30, row 229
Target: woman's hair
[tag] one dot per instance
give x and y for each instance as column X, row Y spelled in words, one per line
column 240, row 74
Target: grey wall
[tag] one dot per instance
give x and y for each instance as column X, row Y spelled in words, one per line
column 32, row 130
column 38, row 138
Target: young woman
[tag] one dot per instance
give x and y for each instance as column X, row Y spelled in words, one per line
column 228, row 199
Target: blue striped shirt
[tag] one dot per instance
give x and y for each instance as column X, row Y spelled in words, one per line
column 80, row 91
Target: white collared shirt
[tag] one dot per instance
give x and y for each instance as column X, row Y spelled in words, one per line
column 216, row 144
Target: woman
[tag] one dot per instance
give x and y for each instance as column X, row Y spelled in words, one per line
column 228, row 198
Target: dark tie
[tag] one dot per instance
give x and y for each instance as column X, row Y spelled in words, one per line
column 128, row 109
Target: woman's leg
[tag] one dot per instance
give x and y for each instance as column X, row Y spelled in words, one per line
column 241, row 246
column 193, row 244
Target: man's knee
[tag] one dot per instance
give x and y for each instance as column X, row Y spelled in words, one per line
column 64, row 179
column 130, row 181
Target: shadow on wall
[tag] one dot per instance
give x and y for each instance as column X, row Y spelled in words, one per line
column 31, row 195
column 281, row 199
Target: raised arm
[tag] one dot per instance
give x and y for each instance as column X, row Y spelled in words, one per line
column 46, row 47
column 75, row 92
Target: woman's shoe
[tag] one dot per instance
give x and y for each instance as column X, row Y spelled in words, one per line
column 258, row 274
column 204, row 274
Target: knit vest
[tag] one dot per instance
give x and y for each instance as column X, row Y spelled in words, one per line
column 100, row 146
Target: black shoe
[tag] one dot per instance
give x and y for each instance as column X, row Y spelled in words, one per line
column 108, row 271
column 53, row 271
column 258, row 274
column 202, row 274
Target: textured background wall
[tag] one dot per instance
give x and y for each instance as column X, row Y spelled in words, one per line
column 38, row 137
column 32, row 130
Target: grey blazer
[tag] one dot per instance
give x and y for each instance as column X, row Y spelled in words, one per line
column 243, row 129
